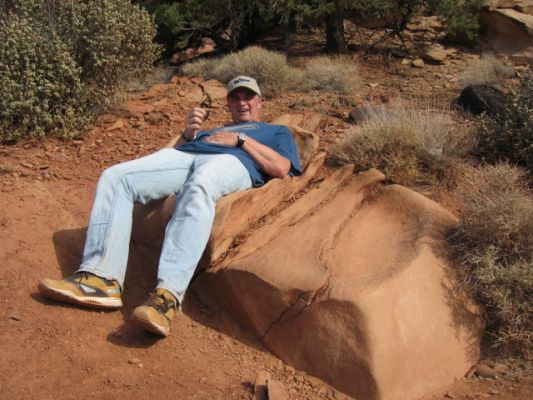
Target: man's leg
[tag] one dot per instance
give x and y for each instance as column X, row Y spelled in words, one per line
column 187, row 234
column 101, row 275
column 108, row 234
column 188, row 230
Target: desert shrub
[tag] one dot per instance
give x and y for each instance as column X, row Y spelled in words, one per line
column 112, row 41
column 409, row 146
column 40, row 81
column 488, row 69
column 461, row 16
column 338, row 74
column 269, row 68
column 62, row 62
column 508, row 135
column 495, row 246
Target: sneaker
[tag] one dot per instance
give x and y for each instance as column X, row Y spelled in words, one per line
column 155, row 315
column 84, row 289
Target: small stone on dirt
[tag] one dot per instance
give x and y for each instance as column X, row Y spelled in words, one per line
column 134, row 360
column 119, row 124
column 418, row 63
column 434, row 53
column 16, row 317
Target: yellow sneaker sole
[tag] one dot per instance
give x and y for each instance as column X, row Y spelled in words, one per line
column 69, row 297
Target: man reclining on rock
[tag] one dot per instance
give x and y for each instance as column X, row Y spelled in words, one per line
column 203, row 166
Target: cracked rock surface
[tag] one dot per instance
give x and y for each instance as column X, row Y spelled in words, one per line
column 349, row 284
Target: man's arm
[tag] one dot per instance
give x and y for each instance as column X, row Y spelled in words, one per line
column 269, row 160
column 194, row 121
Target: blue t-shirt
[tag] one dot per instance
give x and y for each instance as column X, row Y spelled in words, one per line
column 277, row 137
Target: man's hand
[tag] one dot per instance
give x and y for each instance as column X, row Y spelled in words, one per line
column 225, row 138
column 194, row 121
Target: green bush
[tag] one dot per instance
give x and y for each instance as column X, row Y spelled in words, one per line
column 269, row 68
column 508, row 135
column 62, row 62
column 495, row 246
column 409, row 146
column 40, row 81
column 461, row 16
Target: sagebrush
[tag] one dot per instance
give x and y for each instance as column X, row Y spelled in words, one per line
column 410, row 146
column 332, row 74
column 495, row 247
column 61, row 63
column 269, row 68
column 488, row 69
column 275, row 75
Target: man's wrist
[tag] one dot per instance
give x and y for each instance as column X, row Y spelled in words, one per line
column 241, row 138
column 187, row 136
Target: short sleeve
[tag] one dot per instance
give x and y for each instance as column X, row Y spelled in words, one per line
column 286, row 146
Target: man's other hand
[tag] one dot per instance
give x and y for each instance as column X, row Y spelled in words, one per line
column 225, row 138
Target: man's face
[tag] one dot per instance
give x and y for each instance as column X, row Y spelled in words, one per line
column 244, row 105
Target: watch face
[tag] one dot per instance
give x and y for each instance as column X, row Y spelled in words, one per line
column 241, row 138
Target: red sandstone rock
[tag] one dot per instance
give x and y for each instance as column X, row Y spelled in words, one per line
column 351, row 287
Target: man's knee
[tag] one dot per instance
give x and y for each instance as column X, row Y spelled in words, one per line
column 204, row 182
column 114, row 177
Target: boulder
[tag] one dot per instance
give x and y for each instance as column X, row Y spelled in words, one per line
column 508, row 32
column 525, row 6
column 482, row 99
column 494, row 4
column 350, row 284
column 434, row 53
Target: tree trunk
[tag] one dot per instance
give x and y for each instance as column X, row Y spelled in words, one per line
column 335, row 42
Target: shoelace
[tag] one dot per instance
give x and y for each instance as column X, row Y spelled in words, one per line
column 161, row 303
column 80, row 276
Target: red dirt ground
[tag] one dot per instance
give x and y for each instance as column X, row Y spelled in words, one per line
column 54, row 351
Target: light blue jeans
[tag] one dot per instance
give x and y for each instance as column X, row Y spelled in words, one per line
column 199, row 180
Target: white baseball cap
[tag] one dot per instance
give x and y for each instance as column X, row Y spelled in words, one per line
column 245, row 82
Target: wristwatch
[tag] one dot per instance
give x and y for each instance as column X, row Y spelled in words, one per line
column 241, row 138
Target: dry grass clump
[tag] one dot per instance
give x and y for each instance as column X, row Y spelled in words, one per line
column 488, row 69
column 269, row 68
column 409, row 146
column 331, row 74
column 495, row 246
